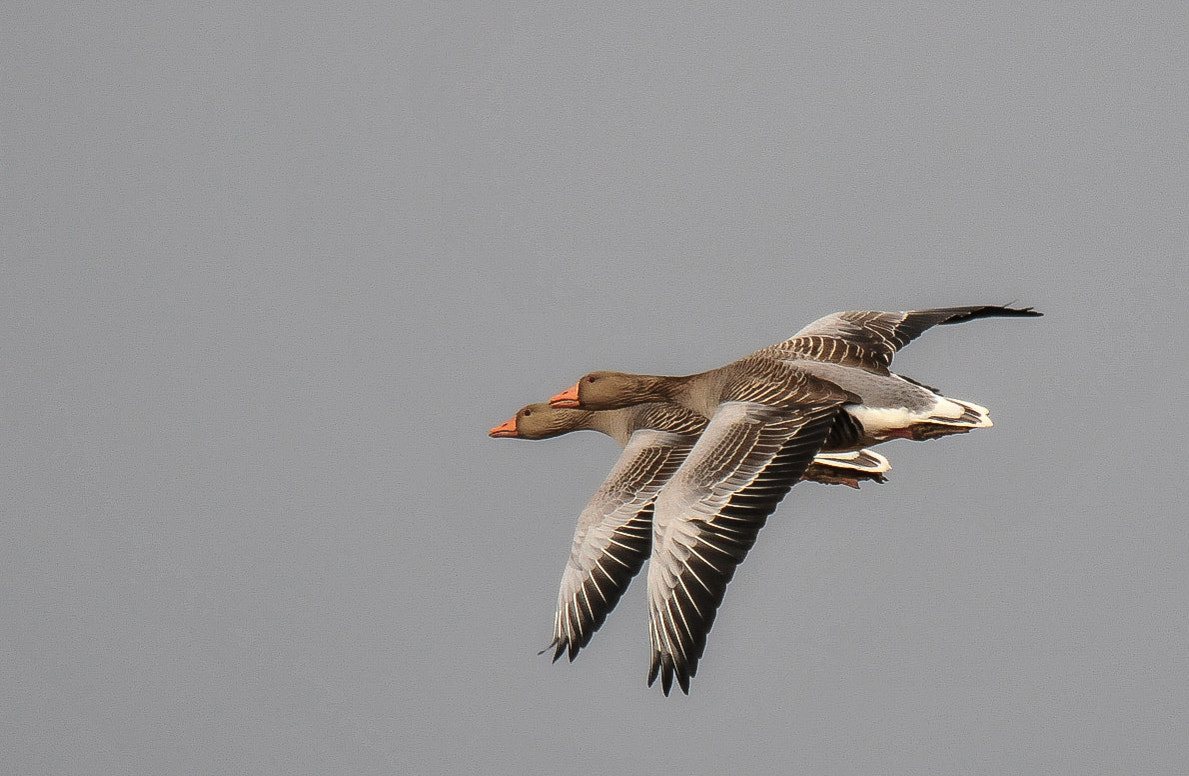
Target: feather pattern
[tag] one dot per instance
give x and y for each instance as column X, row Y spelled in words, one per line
column 708, row 517
column 614, row 532
column 612, row 539
column 869, row 338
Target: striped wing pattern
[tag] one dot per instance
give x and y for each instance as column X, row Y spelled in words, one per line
column 869, row 338
column 613, row 537
column 708, row 518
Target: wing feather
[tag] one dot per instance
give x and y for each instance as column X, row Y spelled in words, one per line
column 613, row 536
column 708, row 517
column 869, row 338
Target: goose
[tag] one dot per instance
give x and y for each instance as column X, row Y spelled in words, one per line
column 612, row 539
column 827, row 388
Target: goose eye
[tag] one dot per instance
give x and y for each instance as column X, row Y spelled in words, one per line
column 527, row 413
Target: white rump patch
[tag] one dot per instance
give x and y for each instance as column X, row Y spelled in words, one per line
column 879, row 421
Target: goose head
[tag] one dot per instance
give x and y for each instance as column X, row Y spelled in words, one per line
column 610, row 390
column 540, row 421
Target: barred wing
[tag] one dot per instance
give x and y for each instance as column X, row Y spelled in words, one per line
column 613, row 537
column 708, row 516
column 869, row 338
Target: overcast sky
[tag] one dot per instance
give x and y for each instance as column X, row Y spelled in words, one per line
column 271, row 271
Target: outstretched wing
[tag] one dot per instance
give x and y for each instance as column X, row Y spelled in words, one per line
column 869, row 338
column 708, row 516
column 613, row 536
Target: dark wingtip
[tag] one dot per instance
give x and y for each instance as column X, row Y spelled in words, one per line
column 964, row 314
column 667, row 669
column 662, row 665
column 1007, row 309
column 558, row 652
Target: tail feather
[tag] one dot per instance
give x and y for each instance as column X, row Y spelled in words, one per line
column 859, row 460
column 964, row 417
column 847, row 468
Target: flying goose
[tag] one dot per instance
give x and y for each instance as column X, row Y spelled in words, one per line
column 613, row 536
column 829, row 387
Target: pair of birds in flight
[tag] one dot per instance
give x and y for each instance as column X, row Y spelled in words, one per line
column 707, row 457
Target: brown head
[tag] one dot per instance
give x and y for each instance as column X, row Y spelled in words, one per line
column 611, row 390
column 541, row 421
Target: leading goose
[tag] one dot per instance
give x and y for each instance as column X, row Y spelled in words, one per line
column 829, row 387
column 612, row 539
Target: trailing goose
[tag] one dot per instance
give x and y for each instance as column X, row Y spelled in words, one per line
column 613, row 536
column 829, row 387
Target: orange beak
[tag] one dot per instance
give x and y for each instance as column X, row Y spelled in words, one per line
column 507, row 429
column 567, row 398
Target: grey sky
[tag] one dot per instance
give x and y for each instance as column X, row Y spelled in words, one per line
column 272, row 272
